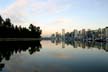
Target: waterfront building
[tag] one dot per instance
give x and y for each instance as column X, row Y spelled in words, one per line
column 106, row 32
column 83, row 33
column 76, row 34
column 63, row 34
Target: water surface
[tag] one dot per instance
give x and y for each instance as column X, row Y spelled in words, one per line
column 54, row 56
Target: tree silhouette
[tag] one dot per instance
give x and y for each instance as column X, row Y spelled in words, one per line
column 8, row 30
column 1, row 20
column 7, row 22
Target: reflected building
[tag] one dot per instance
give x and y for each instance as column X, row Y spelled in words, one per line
column 84, row 45
column 63, row 44
column 75, row 44
column 106, row 47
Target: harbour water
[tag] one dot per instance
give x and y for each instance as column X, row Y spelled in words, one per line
column 53, row 56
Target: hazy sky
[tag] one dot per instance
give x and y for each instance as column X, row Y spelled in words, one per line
column 53, row 15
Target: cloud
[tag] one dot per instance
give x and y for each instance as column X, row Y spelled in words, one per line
column 24, row 12
column 20, row 11
column 16, row 11
column 49, row 6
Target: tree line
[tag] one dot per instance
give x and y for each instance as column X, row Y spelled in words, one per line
column 8, row 30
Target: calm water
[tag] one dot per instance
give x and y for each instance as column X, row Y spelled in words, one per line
column 53, row 56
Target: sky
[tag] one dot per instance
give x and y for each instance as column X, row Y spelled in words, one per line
column 54, row 15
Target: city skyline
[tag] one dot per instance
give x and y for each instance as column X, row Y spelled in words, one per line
column 54, row 15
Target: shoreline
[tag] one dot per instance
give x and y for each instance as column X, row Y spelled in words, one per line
column 20, row 39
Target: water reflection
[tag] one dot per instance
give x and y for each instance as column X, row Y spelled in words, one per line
column 74, row 56
column 7, row 49
column 81, row 44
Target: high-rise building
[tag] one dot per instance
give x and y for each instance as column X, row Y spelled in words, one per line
column 63, row 33
column 83, row 32
column 76, row 34
column 106, row 32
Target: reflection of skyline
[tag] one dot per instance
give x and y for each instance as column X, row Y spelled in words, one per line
column 54, row 58
column 7, row 49
column 83, row 45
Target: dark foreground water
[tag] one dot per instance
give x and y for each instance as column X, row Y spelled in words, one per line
column 53, row 56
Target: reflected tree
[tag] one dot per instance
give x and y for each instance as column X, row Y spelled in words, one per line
column 7, row 49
